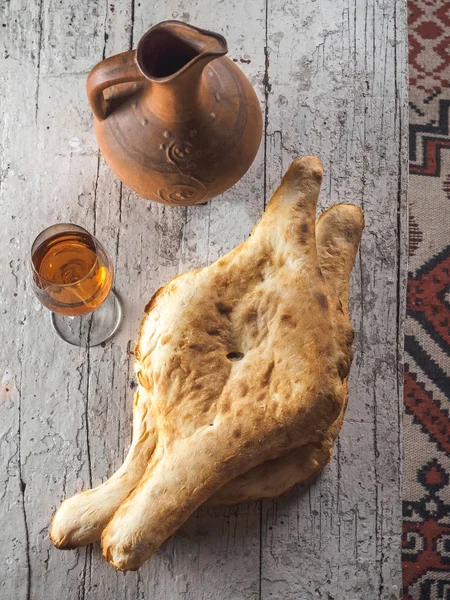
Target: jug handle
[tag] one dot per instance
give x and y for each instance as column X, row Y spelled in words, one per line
column 121, row 68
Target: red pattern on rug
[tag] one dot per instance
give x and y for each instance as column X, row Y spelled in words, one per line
column 426, row 495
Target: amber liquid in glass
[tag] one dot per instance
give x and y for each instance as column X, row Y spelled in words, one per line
column 74, row 275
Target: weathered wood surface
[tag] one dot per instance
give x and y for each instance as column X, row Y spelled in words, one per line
column 331, row 76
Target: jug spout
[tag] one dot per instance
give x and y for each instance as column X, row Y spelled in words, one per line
column 172, row 56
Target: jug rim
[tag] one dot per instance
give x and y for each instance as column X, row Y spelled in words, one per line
column 172, row 25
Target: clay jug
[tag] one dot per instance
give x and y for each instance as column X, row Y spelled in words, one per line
column 180, row 122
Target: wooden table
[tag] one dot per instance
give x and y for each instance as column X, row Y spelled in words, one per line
column 331, row 77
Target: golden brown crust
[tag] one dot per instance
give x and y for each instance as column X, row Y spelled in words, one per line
column 244, row 364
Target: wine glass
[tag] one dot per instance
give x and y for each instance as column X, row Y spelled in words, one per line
column 72, row 275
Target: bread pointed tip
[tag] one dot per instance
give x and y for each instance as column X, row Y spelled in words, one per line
column 59, row 539
column 123, row 557
column 344, row 219
column 74, row 524
column 304, row 168
column 338, row 235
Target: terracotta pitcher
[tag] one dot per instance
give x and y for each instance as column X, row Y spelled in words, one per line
column 181, row 122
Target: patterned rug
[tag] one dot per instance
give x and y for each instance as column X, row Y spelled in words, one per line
column 426, row 493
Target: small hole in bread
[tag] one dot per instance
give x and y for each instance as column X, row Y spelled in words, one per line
column 234, row 356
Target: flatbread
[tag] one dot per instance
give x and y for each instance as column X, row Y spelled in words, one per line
column 242, row 370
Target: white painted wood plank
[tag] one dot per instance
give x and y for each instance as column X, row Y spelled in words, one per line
column 65, row 413
column 32, row 413
column 146, row 240
column 216, row 554
column 56, row 184
column 337, row 88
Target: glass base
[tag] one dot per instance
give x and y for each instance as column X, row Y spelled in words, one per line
column 93, row 328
